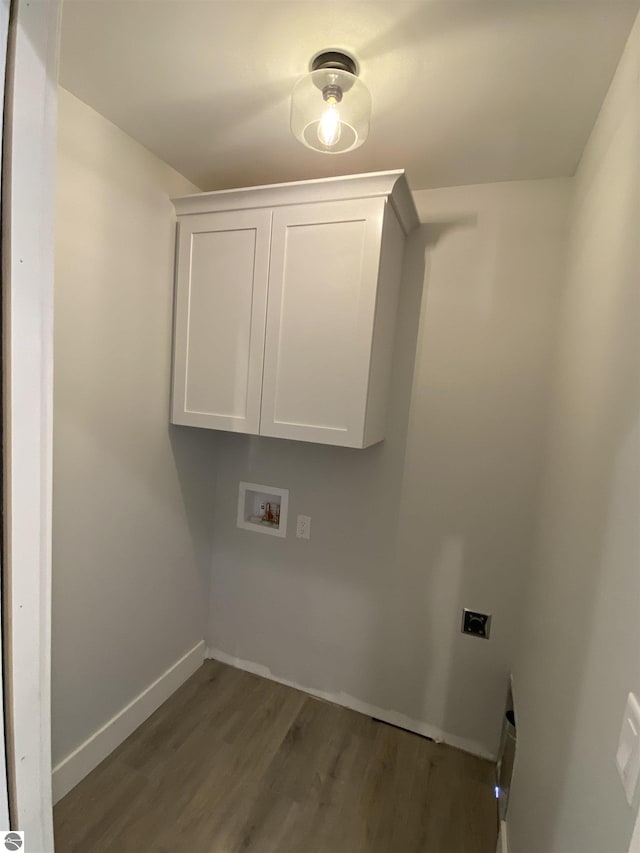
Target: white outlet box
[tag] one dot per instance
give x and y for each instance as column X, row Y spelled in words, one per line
column 303, row 527
column 263, row 509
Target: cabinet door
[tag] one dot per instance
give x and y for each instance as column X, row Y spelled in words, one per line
column 221, row 298
column 322, row 300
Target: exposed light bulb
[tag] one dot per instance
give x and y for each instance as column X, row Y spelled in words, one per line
column 329, row 125
column 340, row 121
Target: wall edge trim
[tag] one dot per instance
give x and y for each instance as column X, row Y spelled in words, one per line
column 503, row 840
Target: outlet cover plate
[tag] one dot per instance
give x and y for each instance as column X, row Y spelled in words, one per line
column 303, row 527
column 476, row 624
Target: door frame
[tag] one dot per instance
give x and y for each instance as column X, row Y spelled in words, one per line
column 28, row 202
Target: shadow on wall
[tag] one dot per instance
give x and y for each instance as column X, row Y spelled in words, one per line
column 194, row 455
column 398, row 646
column 442, row 453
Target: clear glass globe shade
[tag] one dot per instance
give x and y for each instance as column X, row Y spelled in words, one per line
column 330, row 127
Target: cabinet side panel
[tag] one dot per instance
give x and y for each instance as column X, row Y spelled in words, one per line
column 320, row 321
column 385, row 328
column 180, row 320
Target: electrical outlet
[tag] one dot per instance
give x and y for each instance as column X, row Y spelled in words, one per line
column 303, row 528
column 476, row 624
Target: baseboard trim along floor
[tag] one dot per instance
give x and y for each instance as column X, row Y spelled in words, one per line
column 395, row 718
column 96, row 748
column 503, row 843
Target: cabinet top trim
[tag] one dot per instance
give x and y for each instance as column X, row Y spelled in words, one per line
column 392, row 185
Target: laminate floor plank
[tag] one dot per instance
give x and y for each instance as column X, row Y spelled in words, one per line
column 235, row 763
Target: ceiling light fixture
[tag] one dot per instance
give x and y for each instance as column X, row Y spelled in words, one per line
column 330, row 106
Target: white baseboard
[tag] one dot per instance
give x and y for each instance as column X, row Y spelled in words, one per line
column 389, row 716
column 95, row 749
column 503, row 843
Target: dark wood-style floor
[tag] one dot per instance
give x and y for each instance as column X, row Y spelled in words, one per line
column 233, row 762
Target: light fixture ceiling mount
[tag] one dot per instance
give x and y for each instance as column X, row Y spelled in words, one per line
column 331, row 106
column 338, row 60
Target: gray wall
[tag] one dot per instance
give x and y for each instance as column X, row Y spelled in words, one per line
column 130, row 540
column 581, row 654
column 440, row 515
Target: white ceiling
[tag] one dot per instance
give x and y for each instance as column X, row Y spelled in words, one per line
column 463, row 92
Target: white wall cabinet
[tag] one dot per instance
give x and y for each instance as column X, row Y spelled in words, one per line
column 285, row 307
